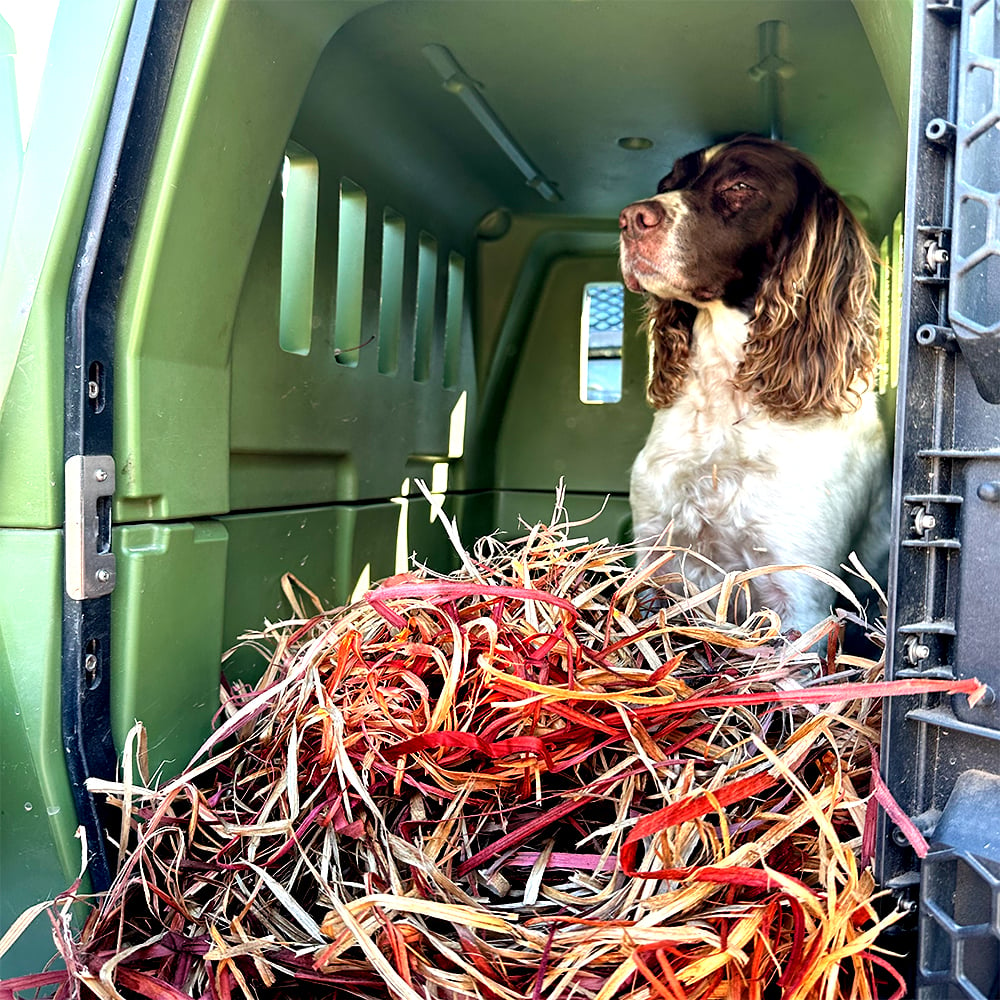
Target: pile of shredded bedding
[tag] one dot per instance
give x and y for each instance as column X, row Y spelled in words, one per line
column 512, row 782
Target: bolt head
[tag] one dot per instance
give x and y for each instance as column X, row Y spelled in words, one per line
column 103, row 575
column 101, row 475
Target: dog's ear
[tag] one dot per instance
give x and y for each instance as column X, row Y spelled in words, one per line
column 669, row 328
column 813, row 338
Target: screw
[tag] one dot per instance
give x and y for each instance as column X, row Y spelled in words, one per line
column 103, row 575
column 93, row 390
column 100, row 475
column 90, row 666
column 918, row 651
column 936, row 255
column 922, row 521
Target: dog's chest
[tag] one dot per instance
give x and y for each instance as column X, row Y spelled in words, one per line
column 712, row 425
column 705, row 447
column 712, row 451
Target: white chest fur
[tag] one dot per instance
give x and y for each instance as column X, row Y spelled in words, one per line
column 719, row 475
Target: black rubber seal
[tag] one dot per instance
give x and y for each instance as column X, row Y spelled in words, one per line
column 105, row 244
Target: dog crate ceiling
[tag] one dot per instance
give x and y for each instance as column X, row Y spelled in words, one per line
column 567, row 81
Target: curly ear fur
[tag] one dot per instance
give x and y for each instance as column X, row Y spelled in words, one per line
column 669, row 331
column 813, row 337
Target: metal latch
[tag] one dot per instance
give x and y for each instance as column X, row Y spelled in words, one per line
column 90, row 563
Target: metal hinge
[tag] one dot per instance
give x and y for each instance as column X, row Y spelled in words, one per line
column 90, row 563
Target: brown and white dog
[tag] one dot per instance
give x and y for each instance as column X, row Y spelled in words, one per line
column 766, row 446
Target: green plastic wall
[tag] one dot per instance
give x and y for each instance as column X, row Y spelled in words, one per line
column 167, row 610
column 38, row 855
column 547, row 433
column 329, row 549
column 59, row 163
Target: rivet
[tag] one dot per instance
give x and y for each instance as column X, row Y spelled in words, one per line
column 103, row 575
column 100, row 475
column 990, row 492
column 989, row 696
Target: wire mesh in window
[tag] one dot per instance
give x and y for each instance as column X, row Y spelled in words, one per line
column 601, row 342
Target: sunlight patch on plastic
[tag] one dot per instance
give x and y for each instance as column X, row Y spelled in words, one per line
column 402, row 559
column 347, row 336
column 300, row 200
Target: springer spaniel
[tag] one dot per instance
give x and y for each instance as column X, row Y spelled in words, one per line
column 766, row 446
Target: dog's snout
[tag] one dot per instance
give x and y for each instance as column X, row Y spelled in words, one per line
column 637, row 218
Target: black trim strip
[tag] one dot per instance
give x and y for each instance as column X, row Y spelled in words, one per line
column 105, row 243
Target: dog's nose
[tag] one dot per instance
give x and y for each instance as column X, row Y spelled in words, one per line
column 637, row 218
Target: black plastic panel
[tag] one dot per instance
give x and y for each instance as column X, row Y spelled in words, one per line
column 975, row 274
column 960, row 896
column 941, row 757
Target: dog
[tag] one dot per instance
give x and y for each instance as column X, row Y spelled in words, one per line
column 766, row 446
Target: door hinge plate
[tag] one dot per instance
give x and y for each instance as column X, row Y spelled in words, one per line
column 90, row 563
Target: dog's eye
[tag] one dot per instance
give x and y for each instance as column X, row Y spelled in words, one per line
column 739, row 186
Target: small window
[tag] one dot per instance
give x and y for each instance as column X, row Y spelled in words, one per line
column 601, row 342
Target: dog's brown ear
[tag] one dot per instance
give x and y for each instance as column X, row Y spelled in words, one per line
column 669, row 330
column 813, row 339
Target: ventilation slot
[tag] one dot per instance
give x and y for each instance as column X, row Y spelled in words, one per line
column 350, row 273
column 391, row 294
column 454, row 315
column 427, row 258
column 300, row 198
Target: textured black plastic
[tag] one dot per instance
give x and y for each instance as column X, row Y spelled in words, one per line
column 941, row 756
column 960, row 895
column 975, row 252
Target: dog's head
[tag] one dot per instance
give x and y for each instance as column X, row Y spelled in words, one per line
column 752, row 224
